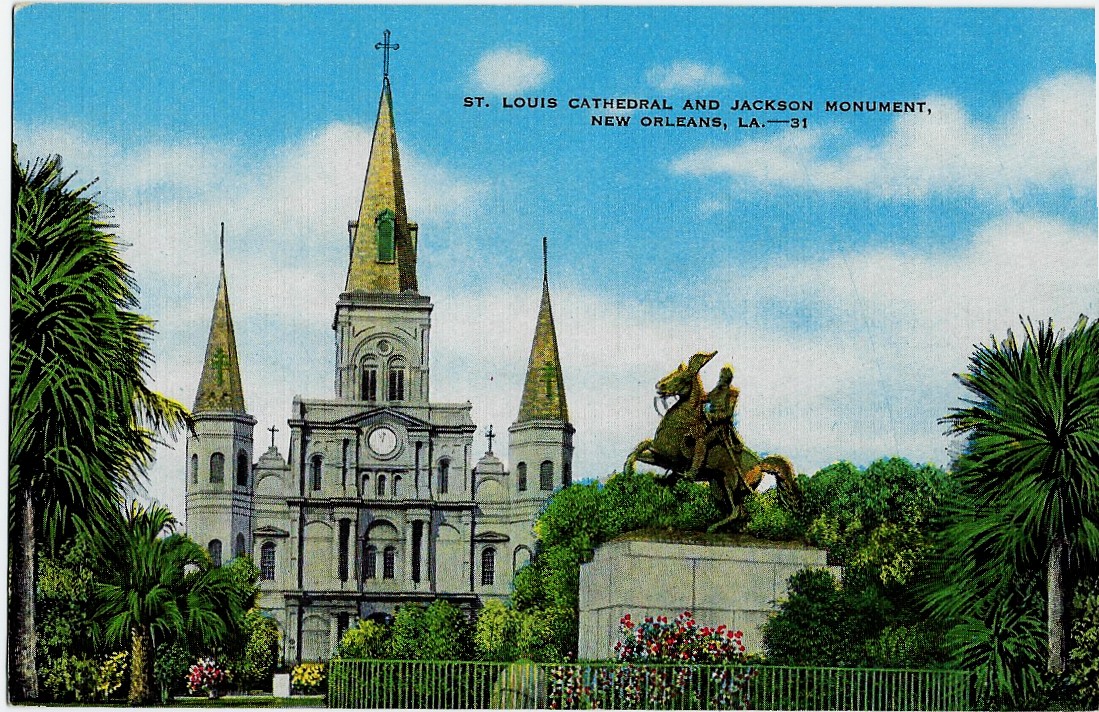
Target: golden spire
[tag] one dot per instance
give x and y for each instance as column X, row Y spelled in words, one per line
column 544, row 390
column 219, row 387
column 383, row 244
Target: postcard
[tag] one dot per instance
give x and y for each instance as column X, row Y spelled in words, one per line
column 416, row 271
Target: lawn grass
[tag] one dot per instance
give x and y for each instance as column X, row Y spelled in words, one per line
column 249, row 701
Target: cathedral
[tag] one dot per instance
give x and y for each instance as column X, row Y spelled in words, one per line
column 378, row 501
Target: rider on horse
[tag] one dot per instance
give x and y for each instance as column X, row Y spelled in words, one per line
column 718, row 414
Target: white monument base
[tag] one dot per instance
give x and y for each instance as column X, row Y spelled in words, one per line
column 280, row 685
column 735, row 585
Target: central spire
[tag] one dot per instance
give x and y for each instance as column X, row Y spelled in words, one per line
column 383, row 241
column 544, row 390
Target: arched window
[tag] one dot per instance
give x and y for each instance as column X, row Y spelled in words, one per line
column 396, row 485
column 444, row 476
column 316, row 465
column 385, row 230
column 242, row 469
column 488, row 566
column 217, row 468
column 369, row 386
column 238, row 546
column 267, row 562
column 396, row 382
column 521, row 476
column 194, row 469
column 215, row 551
column 379, row 488
column 545, row 476
column 389, row 562
column 370, row 561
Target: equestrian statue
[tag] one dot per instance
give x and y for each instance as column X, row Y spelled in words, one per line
column 696, row 440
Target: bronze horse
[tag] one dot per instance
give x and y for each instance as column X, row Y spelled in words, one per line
column 731, row 475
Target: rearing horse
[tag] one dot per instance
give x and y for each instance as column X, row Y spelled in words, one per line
column 731, row 475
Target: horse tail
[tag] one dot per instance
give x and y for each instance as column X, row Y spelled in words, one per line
column 786, row 477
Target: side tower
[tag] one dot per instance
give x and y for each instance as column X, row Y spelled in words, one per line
column 219, row 453
column 540, row 439
column 382, row 322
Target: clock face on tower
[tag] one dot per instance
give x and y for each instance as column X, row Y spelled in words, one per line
column 382, row 441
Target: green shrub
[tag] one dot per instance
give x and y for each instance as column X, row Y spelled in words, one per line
column 438, row 632
column 170, row 668
column 496, row 633
column 504, row 634
column 768, row 519
column 1083, row 668
column 68, row 678
column 261, row 652
column 366, row 640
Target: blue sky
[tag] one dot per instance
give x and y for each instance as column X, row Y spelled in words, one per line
column 845, row 269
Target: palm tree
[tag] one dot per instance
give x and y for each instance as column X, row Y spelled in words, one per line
column 163, row 587
column 1031, row 468
column 83, row 423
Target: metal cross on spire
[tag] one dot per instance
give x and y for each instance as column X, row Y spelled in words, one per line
column 490, row 435
column 272, row 430
column 223, row 247
column 386, row 46
column 545, row 260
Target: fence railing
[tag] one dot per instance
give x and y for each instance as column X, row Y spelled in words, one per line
column 418, row 684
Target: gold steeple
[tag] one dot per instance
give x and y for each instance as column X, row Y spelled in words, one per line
column 383, row 242
column 544, row 390
column 220, row 388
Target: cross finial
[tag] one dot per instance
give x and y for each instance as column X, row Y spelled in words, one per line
column 545, row 260
column 549, row 375
column 490, row 435
column 223, row 247
column 272, row 430
column 386, row 46
column 220, row 362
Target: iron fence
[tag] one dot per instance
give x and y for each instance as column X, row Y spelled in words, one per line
column 421, row 684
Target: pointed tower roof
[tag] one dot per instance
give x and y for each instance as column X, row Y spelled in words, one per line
column 544, row 390
column 383, row 246
column 219, row 388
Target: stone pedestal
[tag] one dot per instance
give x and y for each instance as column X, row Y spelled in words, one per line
column 738, row 585
column 280, row 686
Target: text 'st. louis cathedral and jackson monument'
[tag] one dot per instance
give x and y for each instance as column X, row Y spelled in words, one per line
column 378, row 502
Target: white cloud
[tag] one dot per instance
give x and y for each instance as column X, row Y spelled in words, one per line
column 687, row 75
column 1046, row 140
column 868, row 378
column 503, row 71
column 282, row 214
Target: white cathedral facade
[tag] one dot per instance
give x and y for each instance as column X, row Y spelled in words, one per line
column 380, row 500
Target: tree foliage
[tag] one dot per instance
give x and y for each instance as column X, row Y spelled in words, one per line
column 1024, row 524
column 83, row 421
column 162, row 588
column 576, row 520
column 876, row 522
